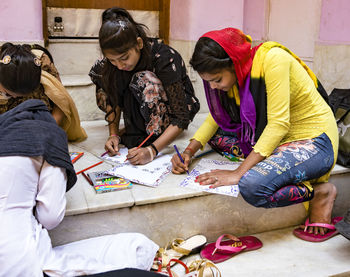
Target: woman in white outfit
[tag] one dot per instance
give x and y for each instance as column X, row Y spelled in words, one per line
column 35, row 172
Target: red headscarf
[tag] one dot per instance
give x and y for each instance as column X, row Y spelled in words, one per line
column 238, row 46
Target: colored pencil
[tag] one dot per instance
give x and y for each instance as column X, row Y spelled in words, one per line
column 104, row 153
column 178, row 153
column 87, row 178
column 89, row 167
column 142, row 143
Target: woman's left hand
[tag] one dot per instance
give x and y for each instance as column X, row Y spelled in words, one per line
column 139, row 155
column 218, row 178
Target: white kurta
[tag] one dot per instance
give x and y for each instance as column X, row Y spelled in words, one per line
column 25, row 246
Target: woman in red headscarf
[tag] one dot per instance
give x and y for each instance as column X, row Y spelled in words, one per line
column 268, row 107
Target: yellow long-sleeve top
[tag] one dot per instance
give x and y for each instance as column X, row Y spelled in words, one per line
column 295, row 109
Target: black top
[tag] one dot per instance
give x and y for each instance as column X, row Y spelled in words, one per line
column 170, row 68
column 30, row 130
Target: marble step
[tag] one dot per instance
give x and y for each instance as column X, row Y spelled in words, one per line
column 82, row 91
column 169, row 211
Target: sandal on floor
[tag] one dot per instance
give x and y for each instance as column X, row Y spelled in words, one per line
column 220, row 250
column 197, row 268
column 178, row 249
column 304, row 235
column 173, row 262
column 203, row 268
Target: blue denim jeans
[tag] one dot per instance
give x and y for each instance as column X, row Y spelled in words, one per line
column 277, row 181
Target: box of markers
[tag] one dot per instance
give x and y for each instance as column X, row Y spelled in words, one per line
column 74, row 156
column 103, row 182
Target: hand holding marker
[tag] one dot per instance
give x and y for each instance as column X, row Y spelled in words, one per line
column 181, row 159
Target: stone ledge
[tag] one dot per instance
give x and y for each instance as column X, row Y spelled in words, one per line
column 211, row 215
column 83, row 199
column 76, row 80
column 169, row 210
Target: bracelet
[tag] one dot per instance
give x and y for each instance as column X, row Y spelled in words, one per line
column 190, row 150
column 154, row 147
column 115, row 135
column 151, row 152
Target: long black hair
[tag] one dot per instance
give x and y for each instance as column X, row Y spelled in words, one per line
column 22, row 74
column 23, row 71
column 209, row 57
column 119, row 33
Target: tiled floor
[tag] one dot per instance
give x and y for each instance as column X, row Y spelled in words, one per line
column 283, row 254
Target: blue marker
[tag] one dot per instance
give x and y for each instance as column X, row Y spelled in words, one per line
column 178, row 153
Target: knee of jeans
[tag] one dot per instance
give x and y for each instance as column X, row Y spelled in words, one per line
column 249, row 191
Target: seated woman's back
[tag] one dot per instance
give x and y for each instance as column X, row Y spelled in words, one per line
column 28, row 72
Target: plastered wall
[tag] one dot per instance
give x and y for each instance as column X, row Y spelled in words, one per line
column 316, row 30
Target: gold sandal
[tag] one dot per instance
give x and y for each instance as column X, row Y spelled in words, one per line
column 203, row 268
column 178, row 249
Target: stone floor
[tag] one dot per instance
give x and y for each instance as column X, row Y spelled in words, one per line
column 283, row 254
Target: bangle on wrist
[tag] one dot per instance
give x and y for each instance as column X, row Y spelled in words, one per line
column 114, row 135
column 189, row 149
column 151, row 152
column 155, row 148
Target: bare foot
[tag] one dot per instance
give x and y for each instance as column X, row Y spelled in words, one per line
column 321, row 206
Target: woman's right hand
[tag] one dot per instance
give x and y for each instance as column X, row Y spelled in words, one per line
column 112, row 145
column 178, row 166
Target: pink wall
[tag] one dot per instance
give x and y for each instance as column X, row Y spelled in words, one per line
column 335, row 21
column 20, row 20
column 254, row 22
column 189, row 19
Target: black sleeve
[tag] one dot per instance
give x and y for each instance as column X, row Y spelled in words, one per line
column 96, row 73
column 171, row 70
column 169, row 65
column 96, row 77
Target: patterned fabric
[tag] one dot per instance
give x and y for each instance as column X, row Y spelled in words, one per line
column 150, row 112
column 10, row 103
column 168, row 66
column 39, row 93
column 149, row 92
column 101, row 99
column 285, row 177
column 226, row 143
column 292, row 194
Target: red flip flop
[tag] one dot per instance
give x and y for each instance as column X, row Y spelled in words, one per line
column 220, row 250
column 304, row 235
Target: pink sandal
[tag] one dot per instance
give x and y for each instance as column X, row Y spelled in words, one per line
column 220, row 250
column 304, row 235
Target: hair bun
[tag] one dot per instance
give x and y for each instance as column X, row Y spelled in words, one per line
column 113, row 14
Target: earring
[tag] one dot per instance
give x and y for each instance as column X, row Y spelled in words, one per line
column 6, row 60
column 37, row 61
